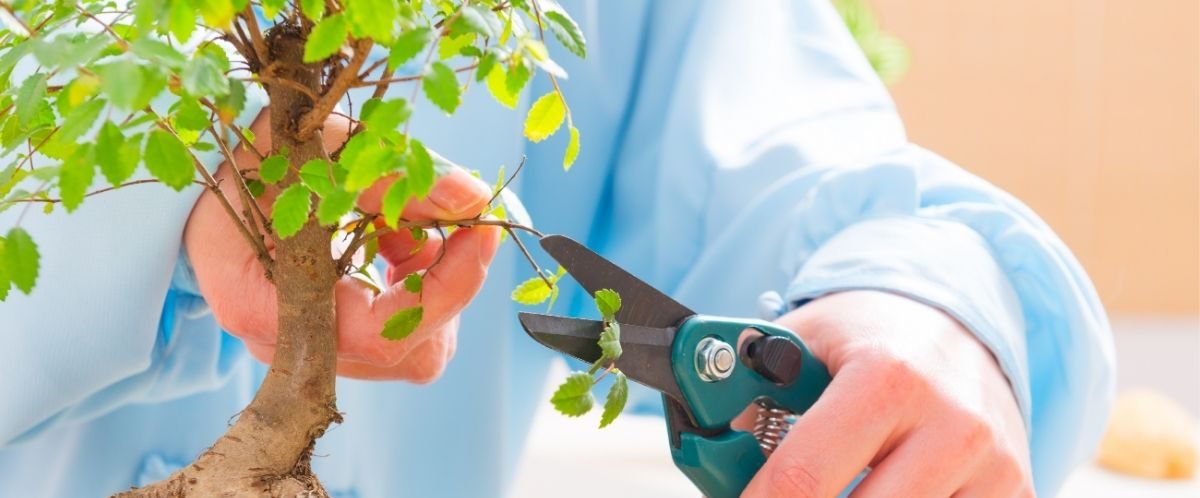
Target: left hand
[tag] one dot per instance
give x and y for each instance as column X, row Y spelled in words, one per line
column 915, row 397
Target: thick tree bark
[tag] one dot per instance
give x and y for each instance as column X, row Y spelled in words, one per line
column 267, row 451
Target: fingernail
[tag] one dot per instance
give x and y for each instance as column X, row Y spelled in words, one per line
column 458, row 192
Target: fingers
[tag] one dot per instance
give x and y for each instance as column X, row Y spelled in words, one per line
column 918, row 467
column 831, row 443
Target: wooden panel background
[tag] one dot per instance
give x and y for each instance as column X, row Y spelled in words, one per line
column 1088, row 110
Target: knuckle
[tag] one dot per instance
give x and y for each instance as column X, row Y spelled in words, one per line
column 976, row 434
column 794, row 480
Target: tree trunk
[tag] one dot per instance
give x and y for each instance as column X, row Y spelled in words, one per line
column 267, row 451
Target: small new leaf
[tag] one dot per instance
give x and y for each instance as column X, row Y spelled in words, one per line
column 610, row 342
column 403, row 323
column 572, row 149
column 290, row 211
column 413, row 283
column 408, row 45
column 335, row 205
column 608, row 302
column 273, row 168
column 531, row 292
column 21, row 259
column 574, row 397
column 614, row 404
column 567, row 32
column 545, row 117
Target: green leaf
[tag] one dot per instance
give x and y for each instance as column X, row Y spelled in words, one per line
column 441, row 87
column 566, row 31
column 497, row 83
column 190, row 116
column 205, row 74
column 319, row 176
column 273, row 168
column 152, row 49
column 256, row 188
column 385, row 115
column 80, row 120
column 372, row 18
column 76, row 176
column 326, row 38
column 545, row 117
column 117, row 156
column 5, row 279
column 610, row 341
column 30, row 97
column 413, row 283
column 481, row 20
column 181, row 20
column 129, row 85
column 21, row 259
column 313, row 9
column 394, row 200
column 408, row 45
column 335, row 205
column 608, row 302
column 572, row 149
column 451, row 46
column 419, row 170
column 290, row 211
column 573, row 397
column 531, row 292
column 614, row 404
column 168, row 160
column 402, row 323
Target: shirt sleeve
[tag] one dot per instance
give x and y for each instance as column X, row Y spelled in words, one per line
column 763, row 154
column 115, row 318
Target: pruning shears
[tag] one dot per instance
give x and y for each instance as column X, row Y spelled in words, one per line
column 695, row 362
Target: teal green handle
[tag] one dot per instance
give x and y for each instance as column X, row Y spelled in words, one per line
column 722, row 465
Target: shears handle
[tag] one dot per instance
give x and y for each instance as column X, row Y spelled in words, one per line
column 717, row 459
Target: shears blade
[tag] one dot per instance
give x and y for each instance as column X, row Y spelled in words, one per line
column 646, row 356
column 641, row 303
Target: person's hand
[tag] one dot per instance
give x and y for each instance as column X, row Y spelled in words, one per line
column 243, row 300
column 914, row 396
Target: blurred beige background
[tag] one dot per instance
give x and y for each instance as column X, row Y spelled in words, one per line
column 1088, row 110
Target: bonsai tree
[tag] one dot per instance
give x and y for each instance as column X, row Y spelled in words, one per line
column 154, row 83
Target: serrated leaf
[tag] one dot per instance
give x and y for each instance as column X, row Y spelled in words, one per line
column 273, row 168
column 402, row 323
column 566, row 31
column 190, row 116
column 181, row 20
column 326, row 38
column 450, row 46
column 290, row 210
column 481, row 20
column 116, row 155
column 335, row 205
column 408, row 45
column 608, row 302
column 256, row 188
column 153, row 50
column 372, row 18
column 205, row 74
column 441, row 87
column 394, row 199
column 80, row 120
column 614, row 403
column 572, row 149
column 413, row 283
column 29, row 97
column 545, row 117
column 5, row 279
column 385, row 115
column 313, row 9
column 419, row 170
column 75, row 177
column 610, row 341
column 21, row 259
column 531, row 292
column 573, row 397
column 497, row 84
column 321, row 176
column 168, row 160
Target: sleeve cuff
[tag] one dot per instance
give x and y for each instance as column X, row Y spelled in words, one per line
column 941, row 263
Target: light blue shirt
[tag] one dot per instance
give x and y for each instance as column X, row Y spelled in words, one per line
column 729, row 149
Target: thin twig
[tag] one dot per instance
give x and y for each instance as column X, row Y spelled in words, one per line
column 402, row 79
column 250, row 206
column 120, row 41
column 470, row 222
column 260, row 45
column 54, row 200
column 348, row 76
column 511, row 177
column 529, row 257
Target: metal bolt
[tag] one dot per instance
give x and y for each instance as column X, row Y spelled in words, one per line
column 714, row 359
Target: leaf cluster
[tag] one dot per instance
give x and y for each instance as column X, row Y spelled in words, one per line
column 573, row 397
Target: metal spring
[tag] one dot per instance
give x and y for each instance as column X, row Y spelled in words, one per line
column 772, row 425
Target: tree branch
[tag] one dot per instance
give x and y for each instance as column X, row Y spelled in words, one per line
column 345, row 79
column 357, row 244
column 54, row 200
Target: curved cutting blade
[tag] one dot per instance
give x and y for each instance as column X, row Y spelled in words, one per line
column 641, row 303
column 646, row 356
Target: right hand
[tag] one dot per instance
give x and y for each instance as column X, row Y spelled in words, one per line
column 244, row 301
